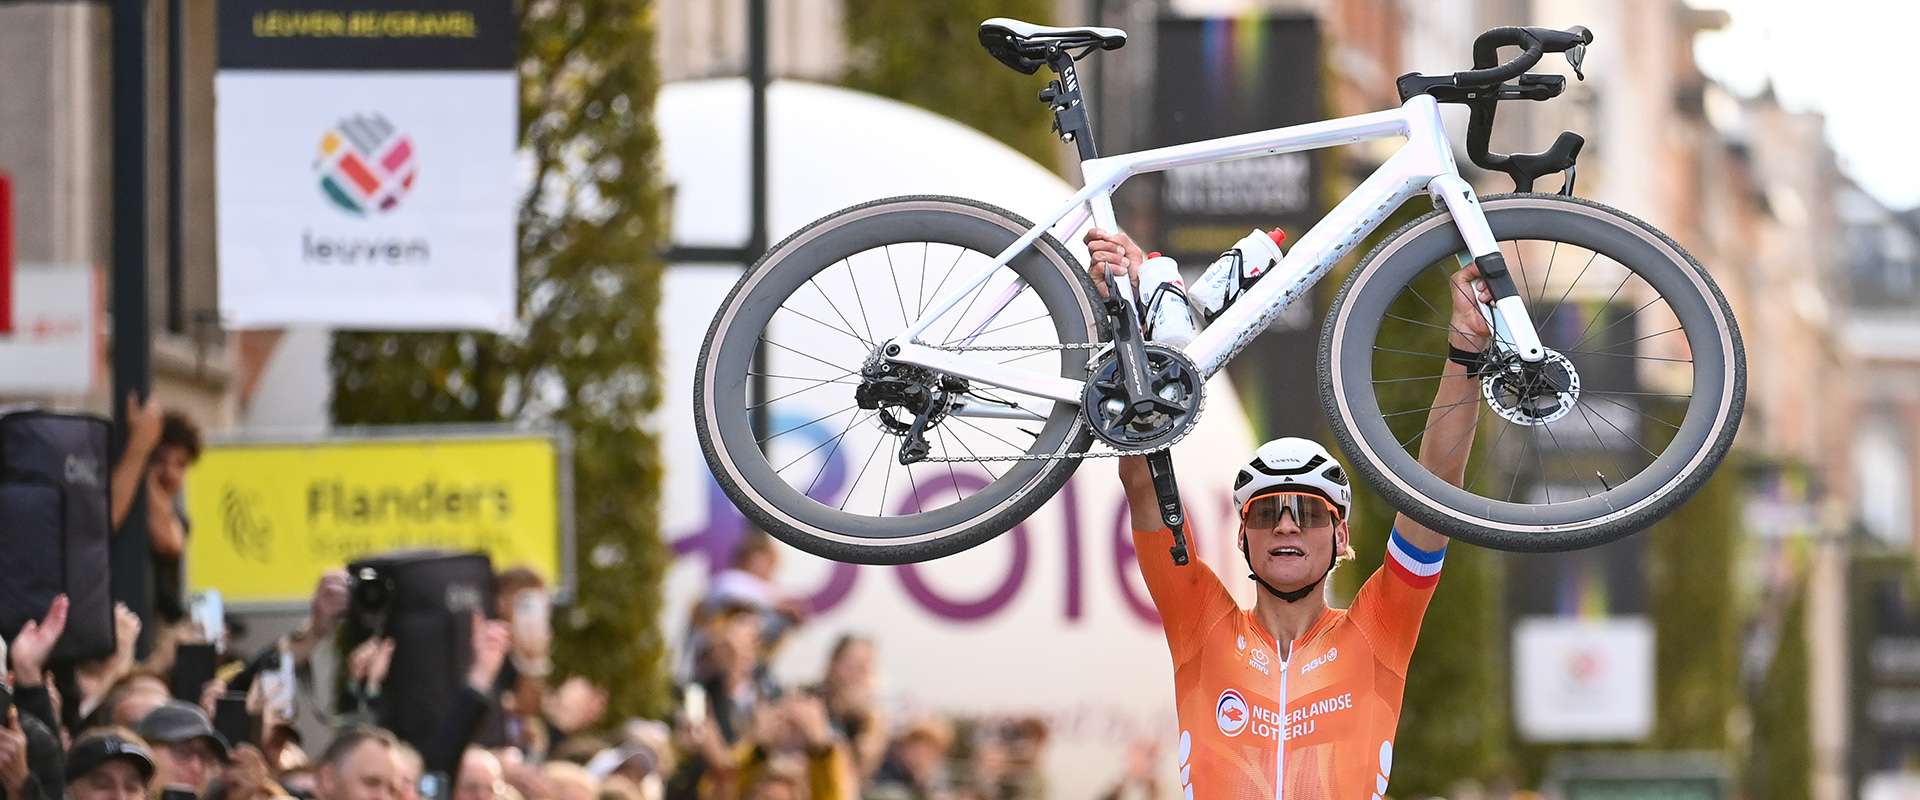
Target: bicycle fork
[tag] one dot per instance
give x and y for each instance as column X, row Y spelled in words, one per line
column 1512, row 327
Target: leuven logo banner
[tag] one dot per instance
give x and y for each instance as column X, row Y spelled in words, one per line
column 365, row 164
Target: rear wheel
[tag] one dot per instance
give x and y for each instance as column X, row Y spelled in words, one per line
column 825, row 473
column 1637, row 405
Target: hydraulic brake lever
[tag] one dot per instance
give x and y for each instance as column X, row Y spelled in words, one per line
column 1167, row 496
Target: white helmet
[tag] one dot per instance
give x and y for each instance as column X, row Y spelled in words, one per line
column 1293, row 464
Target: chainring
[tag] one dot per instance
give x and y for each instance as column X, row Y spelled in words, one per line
column 1170, row 375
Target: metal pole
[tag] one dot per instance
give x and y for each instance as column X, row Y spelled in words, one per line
column 129, row 553
column 757, row 234
column 176, row 179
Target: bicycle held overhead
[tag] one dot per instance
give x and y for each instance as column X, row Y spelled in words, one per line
column 966, row 363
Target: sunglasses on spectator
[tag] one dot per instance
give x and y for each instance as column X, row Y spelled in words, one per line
column 1308, row 510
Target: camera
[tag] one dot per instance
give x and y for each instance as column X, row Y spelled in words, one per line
column 370, row 594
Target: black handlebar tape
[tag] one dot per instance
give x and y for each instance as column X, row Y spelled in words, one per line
column 1535, row 41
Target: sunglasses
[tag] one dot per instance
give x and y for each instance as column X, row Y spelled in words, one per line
column 1308, row 510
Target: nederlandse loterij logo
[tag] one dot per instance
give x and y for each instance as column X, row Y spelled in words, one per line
column 365, row 164
column 1230, row 712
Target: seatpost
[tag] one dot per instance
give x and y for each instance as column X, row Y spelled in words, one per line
column 1069, row 107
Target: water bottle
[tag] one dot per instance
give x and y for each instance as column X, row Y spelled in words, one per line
column 1168, row 319
column 1234, row 272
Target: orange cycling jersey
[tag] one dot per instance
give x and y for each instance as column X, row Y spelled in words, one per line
column 1332, row 704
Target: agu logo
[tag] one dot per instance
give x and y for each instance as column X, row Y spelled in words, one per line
column 1231, row 713
column 365, row 165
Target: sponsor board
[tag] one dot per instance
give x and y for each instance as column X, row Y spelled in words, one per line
column 271, row 517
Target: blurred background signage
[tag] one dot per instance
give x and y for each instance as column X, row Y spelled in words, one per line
column 54, row 346
column 365, row 163
column 1221, row 76
column 271, row 517
column 1681, row 775
column 1583, row 679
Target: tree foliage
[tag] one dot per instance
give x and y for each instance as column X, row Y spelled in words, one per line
column 585, row 353
column 929, row 54
column 1692, row 556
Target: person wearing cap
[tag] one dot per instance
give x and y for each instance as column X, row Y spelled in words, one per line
column 109, row 764
column 186, row 748
column 1292, row 698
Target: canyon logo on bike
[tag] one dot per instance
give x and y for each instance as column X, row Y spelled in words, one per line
column 1332, row 704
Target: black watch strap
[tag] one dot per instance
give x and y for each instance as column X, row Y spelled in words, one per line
column 1476, row 363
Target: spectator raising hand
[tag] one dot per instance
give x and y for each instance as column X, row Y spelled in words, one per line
column 491, row 639
column 13, row 756
column 35, row 642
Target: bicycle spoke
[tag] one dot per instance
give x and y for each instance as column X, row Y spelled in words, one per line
column 1582, row 337
column 866, row 319
column 1564, row 457
column 947, row 450
column 1616, row 323
column 1625, row 355
column 868, row 341
column 951, row 268
column 1642, row 414
column 810, row 356
column 773, row 436
column 1378, row 381
column 1443, row 416
column 768, row 402
column 1634, row 394
column 975, row 456
column 1041, row 316
column 1379, row 349
column 1431, row 409
column 1492, row 450
column 855, row 419
column 970, row 424
column 1558, row 304
column 920, row 290
column 1429, row 325
column 830, row 453
column 894, row 273
column 823, row 324
column 886, row 482
column 1628, row 436
column 855, row 485
column 1587, row 417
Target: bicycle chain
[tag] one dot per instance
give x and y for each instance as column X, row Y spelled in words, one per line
column 1082, row 420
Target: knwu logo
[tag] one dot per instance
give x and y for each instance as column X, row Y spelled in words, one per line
column 366, row 165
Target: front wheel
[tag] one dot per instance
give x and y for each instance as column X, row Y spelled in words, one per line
column 1643, row 390
column 803, row 421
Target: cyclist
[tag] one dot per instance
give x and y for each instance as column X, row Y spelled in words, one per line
column 1291, row 699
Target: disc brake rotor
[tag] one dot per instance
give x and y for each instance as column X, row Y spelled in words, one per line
column 1532, row 394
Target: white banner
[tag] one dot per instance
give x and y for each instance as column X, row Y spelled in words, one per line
column 380, row 200
column 1583, row 679
column 54, row 348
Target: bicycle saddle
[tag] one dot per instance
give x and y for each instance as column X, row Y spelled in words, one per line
column 1024, row 46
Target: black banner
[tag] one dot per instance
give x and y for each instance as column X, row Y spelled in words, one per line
column 1219, row 77
column 367, row 35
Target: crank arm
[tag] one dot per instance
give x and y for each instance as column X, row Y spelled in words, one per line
column 1167, row 496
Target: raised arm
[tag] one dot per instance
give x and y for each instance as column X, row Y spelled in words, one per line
column 1456, row 408
column 1115, row 253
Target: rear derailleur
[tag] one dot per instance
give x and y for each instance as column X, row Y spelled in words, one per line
column 910, row 401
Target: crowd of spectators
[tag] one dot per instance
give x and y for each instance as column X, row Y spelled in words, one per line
column 120, row 728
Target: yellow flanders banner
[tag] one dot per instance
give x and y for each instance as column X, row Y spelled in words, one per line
column 268, row 519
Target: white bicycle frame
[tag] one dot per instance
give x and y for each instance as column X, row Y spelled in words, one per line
column 1424, row 163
